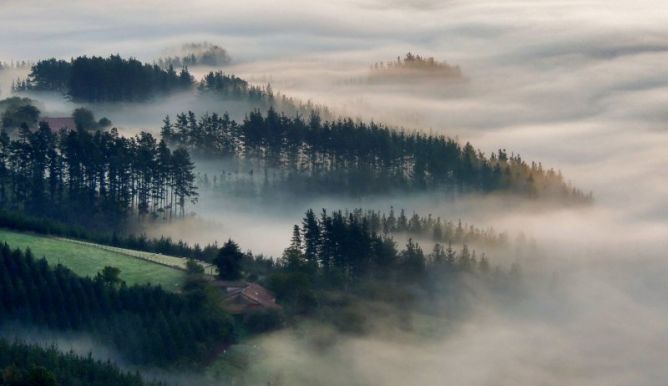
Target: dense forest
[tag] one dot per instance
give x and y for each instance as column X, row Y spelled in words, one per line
column 145, row 323
column 344, row 156
column 26, row 365
column 90, row 177
column 98, row 79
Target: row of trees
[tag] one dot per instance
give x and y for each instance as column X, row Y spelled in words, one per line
column 99, row 79
column 78, row 175
column 334, row 261
column 360, row 158
column 26, row 365
column 146, row 324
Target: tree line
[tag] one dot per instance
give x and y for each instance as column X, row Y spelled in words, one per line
column 348, row 247
column 427, row 227
column 164, row 245
column 144, row 323
column 99, row 79
column 27, row 365
column 78, row 175
column 309, row 155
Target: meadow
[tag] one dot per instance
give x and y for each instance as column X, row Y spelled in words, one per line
column 87, row 259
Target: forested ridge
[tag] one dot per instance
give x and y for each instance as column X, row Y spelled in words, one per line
column 146, row 324
column 102, row 176
column 115, row 79
column 345, row 156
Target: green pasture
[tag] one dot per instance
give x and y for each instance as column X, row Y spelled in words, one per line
column 87, row 259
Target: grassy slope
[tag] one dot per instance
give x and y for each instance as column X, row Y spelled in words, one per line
column 87, row 259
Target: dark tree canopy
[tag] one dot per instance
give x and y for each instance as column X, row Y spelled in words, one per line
column 228, row 261
column 112, row 79
column 88, row 177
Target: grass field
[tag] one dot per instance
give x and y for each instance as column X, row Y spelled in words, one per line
column 86, row 259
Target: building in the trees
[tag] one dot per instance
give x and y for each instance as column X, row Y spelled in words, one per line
column 240, row 297
column 57, row 123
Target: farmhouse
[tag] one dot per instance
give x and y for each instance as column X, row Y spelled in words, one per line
column 240, row 297
column 57, row 123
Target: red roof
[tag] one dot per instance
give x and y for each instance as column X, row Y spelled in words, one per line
column 249, row 295
column 57, row 123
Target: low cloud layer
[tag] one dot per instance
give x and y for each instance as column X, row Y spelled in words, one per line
column 581, row 87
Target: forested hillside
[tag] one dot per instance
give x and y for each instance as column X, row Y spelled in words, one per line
column 345, row 156
column 146, row 324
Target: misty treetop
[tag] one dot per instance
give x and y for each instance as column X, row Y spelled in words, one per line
column 427, row 227
column 197, row 54
column 99, row 79
column 345, row 156
column 89, row 177
column 231, row 87
column 347, row 244
column 411, row 66
column 17, row 111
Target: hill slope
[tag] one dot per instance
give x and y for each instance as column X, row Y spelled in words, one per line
column 87, row 259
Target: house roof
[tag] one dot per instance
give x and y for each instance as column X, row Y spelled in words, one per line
column 57, row 123
column 251, row 291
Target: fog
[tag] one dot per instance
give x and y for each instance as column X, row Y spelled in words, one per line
column 579, row 86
